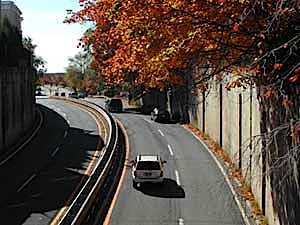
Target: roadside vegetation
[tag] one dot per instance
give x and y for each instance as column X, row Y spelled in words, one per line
column 16, row 50
column 37, row 61
column 79, row 75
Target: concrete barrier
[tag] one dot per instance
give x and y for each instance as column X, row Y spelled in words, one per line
column 232, row 119
column 17, row 105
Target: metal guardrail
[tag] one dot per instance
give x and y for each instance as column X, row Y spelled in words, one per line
column 81, row 208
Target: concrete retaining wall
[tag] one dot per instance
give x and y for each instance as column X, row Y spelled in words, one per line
column 17, row 105
column 232, row 119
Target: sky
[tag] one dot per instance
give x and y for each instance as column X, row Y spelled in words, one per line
column 55, row 40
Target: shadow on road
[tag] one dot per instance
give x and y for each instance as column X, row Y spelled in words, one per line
column 42, row 178
column 138, row 111
column 132, row 110
column 168, row 189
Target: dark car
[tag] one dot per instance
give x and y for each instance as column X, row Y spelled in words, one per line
column 160, row 115
column 73, row 95
column 82, row 95
column 114, row 105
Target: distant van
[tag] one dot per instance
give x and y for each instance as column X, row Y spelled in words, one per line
column 114, row 105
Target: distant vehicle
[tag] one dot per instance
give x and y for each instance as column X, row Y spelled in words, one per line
column 147, row 109
column 147, row 168
column 160, row 115
column 63, row 94
column 38, row 93
column 73, row 95
column 114, row 105
column 81, row 95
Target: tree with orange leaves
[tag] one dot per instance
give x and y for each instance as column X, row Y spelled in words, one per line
column 152, row 42
column 154, row 39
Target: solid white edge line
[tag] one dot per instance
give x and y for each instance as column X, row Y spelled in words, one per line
column 66, row 133
column 16, row 205
column 235, row 196
column 26, row 182
column 149, row 121
column 180, row 221
column 55, row 151
column 170, row 150
column 177, row 177
column 161, row 133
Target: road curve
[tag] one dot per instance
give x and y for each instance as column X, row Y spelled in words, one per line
column 194, row 192
column 39, row 180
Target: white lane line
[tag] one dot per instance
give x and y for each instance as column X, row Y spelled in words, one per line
column 66, row 133
column 16, row 205
column 55, row 151
column 161, row 133
column 180, row 221
column 235, row 195
column 26, row 182
column 149, row 121
column 177, row 177
column 170, row 150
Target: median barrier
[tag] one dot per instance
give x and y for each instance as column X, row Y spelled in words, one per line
column 93, row 200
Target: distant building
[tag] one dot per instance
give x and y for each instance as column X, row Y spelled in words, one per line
column 12, row 12
column 53, row 78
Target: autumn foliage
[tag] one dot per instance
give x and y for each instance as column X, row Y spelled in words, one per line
column 152, row 41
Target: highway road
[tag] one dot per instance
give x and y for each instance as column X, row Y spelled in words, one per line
column 39, row 180
column 194, row 192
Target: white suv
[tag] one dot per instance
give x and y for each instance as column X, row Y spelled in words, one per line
column 147, row 168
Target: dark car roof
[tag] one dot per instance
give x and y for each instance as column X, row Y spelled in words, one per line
column 163, row 111
column 115, row 100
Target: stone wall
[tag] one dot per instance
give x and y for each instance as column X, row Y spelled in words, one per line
column 17, row 105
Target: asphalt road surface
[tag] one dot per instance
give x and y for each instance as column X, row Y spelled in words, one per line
column 194, row 191
column 39, row 180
